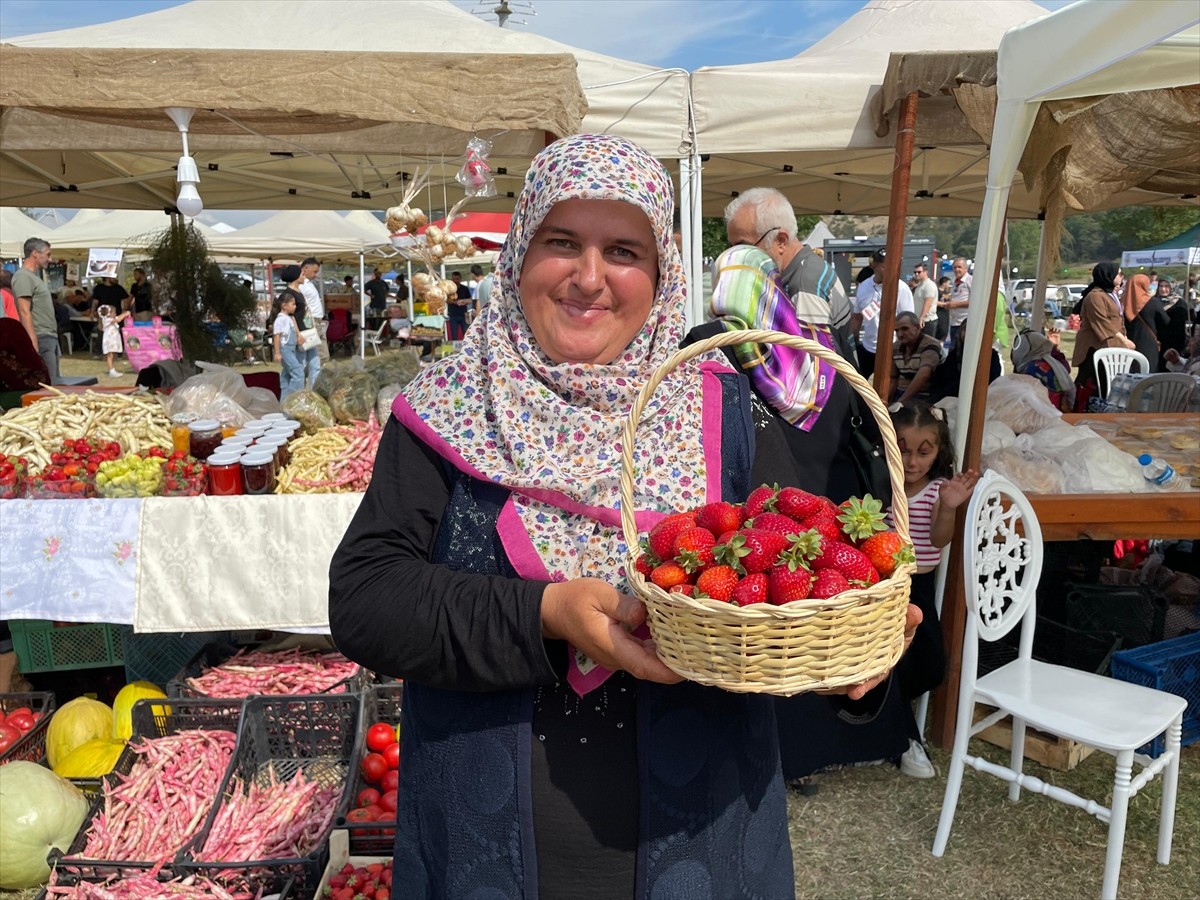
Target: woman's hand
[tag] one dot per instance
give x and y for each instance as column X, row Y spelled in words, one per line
column 598, row 620
column 1171, row 355
column 912, row 618
column 957, row 491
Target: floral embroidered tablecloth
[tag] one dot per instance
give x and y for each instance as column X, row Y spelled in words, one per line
column 173, row 564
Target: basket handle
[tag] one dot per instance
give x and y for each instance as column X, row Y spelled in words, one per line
column 843, row 368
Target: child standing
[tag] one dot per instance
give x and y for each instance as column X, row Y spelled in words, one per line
column 934, row 493
column 110, row 323
column 291, row 376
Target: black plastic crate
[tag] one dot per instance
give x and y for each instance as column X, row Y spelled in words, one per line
column 180, row 715
column 1053, row 642
column 281, row 736
column 1135, row 612
column 157, row 658
column 1064, row 565
column 381, row 703
column 31, row 746
column 216, row 654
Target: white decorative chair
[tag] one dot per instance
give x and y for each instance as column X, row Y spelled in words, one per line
column 1172, row 393
column 1110, row 361
column 1002, row 561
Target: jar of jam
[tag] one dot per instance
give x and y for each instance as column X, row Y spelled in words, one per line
column 255, row 427
column 205, row 435
column 258, row 472
column 228, row 429
column 181, row 435
column 235, row 445
column 225, row 474
column 277, row 446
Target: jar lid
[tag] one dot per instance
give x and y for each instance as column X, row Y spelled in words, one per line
column 255, row 426
column 224, row 458
column 237, row 445
column 272, row 417
column 184, row 418
column 256, row 458
column 267, row 442
column 204, row 425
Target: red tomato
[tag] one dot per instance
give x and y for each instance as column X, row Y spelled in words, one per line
column 388, row 802
column 361, row 814
column 366, row 797
column 2, row 716
column 22, row 721
column 8, row 736
column 380, row 736
column 390, row 780
column 392, row 756
column 373, row 768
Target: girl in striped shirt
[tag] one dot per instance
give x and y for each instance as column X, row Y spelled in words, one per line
column 934, row 493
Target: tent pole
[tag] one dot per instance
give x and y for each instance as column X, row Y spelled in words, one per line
column 685, row 231
column 696, row 248
column 362, row 306
column 897, row 211
column 1037, row 309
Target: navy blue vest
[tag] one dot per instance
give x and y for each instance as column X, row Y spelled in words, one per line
column 713, row 822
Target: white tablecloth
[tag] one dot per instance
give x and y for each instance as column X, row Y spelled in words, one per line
column 173, row 564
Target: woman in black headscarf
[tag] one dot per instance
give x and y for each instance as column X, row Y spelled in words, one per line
column 1101, row 324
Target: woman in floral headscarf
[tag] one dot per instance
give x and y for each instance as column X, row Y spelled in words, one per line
column 546, row 749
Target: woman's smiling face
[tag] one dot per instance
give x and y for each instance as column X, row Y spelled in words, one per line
column 588, row 279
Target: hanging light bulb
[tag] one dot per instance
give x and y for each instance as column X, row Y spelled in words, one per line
column 187, row 176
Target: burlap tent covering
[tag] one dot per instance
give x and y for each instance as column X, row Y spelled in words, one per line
column 1083, row 152
column 294, row 92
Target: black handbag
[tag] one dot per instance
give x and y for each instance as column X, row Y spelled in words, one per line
column 866, row 451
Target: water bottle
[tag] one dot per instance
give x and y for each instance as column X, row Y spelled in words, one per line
column 1158, row 472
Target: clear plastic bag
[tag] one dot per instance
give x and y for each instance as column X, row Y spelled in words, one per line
column 1096, row 465
column 996, row 436
column 476, row 173
column 352, row 397
column 1022, row 403
column 310, row 409
column 383, row 403
column 394, row 367
column 1030, row 471
column 217, row 393
column 331, row 371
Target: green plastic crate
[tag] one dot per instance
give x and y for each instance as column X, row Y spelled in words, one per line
column 43, row 647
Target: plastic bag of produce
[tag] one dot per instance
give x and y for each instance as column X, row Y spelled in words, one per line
column 218, row 393
column 996, row 435
column 383, row 403
column 394, row 367
column 1022, row 403
column 1030, row 471
column 310, row 409
column 331, row 371
column 1096, row 465
column 353, row 397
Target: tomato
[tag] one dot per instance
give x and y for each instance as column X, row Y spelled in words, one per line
column 366, row 797
column 361, row 814
column 392, row 756
column 388, row 802
column 22, row 721
column 374, row 767
column 2, row 717
column 380, row 736
column 10, row 735
column 21, row 710
column 390, row 780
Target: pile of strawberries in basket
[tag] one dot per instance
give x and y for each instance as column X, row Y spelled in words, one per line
column 777, row 547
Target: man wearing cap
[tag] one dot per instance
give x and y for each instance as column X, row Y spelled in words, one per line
column 865, row 321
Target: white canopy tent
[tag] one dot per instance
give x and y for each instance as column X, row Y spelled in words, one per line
column 16, row 228
column 295, row 234
column 1086, row 50
column 805, row 126
column 128, row 229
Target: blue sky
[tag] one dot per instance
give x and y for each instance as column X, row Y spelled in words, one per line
column 681, row 33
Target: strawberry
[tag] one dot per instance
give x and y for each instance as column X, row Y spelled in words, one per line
column 718, row 582
column 861, row 518
column 829, row 528
column 797, row 504
column 848, row 560
column 662, row 535
column 751, row 589
column 751, row 550
column 887, row 551
column 646, row 563
column 771, row 521
column 828, row 583
column 789, row 581
column 761, row 499
column 685, row 588
column 720, row 517
column 693, row 548
column 669, row 574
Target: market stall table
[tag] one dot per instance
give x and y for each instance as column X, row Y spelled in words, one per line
column 82, row 328
column 1166, row 515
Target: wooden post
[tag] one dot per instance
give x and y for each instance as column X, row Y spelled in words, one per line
column 897, row 211
column 945, row 699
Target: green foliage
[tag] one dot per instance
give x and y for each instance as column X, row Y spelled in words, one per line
column 191, row 285
column 713, row 237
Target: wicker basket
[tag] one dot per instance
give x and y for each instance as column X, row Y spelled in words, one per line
column 801, row 646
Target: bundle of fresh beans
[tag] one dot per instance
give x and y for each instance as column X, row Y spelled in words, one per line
column 161, row 804
column 136, row 422
column 292, row 671
column 145, row 885
column 333, row 460
column 281, row 820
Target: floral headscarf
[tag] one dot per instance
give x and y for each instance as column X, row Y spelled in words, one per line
column 501, row 410
column 748, row 295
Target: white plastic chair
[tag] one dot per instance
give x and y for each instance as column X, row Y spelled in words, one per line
column 374, row 339
column 1002, row 561
column 1110, row 361
column 1172, row 393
